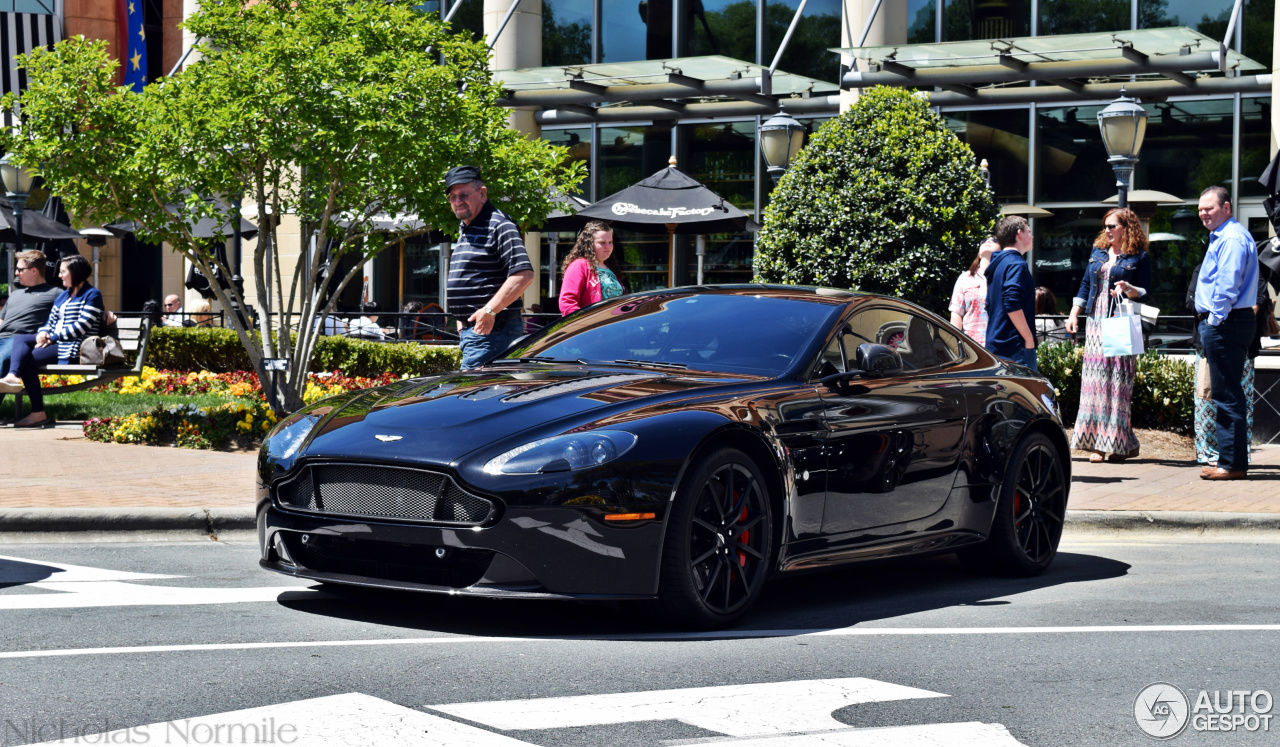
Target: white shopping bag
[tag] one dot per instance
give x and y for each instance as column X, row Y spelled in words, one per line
column 1122, row 335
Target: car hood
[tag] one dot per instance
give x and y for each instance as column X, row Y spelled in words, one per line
column 442, row 419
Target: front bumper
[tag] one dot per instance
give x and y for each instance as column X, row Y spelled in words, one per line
column 532, row 552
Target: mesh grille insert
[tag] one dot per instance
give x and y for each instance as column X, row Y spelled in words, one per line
column 384, row 492
column 392, row 561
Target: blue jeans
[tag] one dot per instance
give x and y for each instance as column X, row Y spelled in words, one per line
column 1226, row 346
column 6, row 349
column 478, row 349
column 1019, row 355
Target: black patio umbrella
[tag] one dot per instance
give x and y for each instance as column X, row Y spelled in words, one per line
column 566, row 217
column 670, row 202
column 201, row 229
column 34, row 226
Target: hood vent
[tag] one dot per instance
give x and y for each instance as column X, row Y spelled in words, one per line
column 589, row 382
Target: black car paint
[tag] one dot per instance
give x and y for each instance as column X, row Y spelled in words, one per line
column 926, row 493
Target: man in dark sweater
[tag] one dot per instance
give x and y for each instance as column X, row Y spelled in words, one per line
column 1011, row 295
column 29, row 304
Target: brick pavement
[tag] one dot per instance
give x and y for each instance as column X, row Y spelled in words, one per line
column 60, row 468
column 1167, row 485
column 72, row 472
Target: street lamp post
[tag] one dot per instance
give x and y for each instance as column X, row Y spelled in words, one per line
column 781, row 138
column 1123, row 124
column 17, row 186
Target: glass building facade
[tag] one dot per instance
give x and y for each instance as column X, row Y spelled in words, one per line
column 1048, row 155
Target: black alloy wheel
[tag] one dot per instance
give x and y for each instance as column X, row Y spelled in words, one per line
column 719, row 540
column 1028, row 520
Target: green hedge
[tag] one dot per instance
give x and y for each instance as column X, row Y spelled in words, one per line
column 1163, row 387
column 219, row 350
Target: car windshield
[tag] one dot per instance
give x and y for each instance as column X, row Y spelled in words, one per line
column 716, row 332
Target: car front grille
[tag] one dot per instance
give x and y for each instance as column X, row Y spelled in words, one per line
column 390, row 561
column 383, row 492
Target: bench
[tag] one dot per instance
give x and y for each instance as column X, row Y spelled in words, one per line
column 135, row 333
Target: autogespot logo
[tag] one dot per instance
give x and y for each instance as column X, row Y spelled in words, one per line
column 1161, row 710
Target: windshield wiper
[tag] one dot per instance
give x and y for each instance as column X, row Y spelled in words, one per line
column 540, row 359
column 633, row 362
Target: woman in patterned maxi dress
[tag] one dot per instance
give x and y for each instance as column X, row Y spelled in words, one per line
column 1104, row 424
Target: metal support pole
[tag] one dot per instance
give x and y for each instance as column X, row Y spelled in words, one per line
column 236, row 280
column 1124, row 177
column 791, row 29
column 552, row 238
column 702, row 253
column 19, row 202
column 510, row 12
column 97, row 258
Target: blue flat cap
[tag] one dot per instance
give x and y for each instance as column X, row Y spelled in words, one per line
column 461, row 175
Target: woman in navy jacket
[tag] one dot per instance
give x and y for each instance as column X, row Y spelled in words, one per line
column 1119, row 266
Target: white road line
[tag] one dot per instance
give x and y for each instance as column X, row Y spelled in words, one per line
column 27, row 571
column 765, row 709
column 971, row 734
column 83, row 586
column 642, row 637
column 351, row 720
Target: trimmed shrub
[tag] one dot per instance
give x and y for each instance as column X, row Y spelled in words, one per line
column 883, row 199
column 1163, row 387
column 219, row 351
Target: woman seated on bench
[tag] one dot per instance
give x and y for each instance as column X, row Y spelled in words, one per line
column 76, row 314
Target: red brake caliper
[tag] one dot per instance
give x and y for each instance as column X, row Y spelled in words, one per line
column 1017, row 503
column 744, row 539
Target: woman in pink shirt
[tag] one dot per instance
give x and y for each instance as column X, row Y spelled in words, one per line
column 587, row 279
column 969, row 299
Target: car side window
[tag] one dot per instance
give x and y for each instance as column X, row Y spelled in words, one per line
column 921, row 343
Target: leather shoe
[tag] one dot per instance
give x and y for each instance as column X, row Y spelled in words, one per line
column 1218, row 473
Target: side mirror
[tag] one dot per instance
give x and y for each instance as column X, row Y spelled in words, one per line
column 875, row 361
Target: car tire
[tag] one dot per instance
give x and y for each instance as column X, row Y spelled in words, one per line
column 1027, row 524
column 718, row 545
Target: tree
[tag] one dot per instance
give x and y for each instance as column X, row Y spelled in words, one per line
column 333, row 111
column 884, row 199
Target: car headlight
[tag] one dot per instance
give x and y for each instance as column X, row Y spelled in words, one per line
column 287, row 437
column 562, row 453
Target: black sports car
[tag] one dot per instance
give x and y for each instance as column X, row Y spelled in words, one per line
column 680, row 446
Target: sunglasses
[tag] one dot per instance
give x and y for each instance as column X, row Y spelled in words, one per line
column 1113, row 226
column 459, row 197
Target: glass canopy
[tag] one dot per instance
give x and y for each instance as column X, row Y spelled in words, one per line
column 1064, row 48
column 709, row 68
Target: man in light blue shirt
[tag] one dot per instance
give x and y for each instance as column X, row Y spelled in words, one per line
column 1226, row 291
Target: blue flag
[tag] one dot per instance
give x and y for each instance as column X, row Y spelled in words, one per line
column 135, row 44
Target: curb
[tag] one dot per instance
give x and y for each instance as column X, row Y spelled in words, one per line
column 1184, row 521
column 30, row 525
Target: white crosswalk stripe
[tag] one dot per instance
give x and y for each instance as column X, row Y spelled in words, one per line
column 797, row 715
column 82, row 586
column 736, row 710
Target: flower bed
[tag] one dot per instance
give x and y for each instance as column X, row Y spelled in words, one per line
column 243, row 421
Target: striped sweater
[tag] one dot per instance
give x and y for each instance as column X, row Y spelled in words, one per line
column 73, row 319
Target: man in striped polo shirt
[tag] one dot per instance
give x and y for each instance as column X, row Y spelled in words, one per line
column 488, row 271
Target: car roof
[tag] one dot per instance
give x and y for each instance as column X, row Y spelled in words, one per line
column 810, row 293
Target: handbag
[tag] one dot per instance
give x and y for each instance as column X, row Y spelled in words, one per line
column 1202, row 380
column 1122, row 335
column 101, row 350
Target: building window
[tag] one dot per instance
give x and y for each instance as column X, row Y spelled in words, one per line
column 723, row 158
column 632, row 31
column 43, row 7
column 566, row 32
column 1001, row 137
column 965, row 20
column 1255, row 145
column 1077, row 17
column 817, row 31
column 721, row 27
column 922, row 21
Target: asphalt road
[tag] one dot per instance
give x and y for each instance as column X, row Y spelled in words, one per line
column 915, row 653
